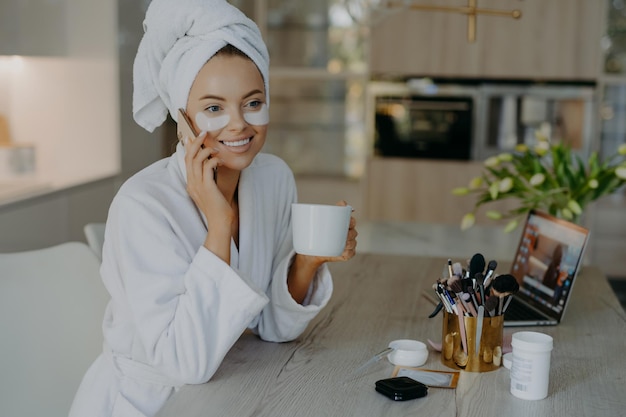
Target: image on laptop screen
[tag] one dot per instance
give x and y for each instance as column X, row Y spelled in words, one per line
column 547, row 261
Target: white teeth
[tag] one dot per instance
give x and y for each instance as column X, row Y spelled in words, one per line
column 237, row 142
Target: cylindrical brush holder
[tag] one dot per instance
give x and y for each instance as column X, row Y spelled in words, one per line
column 463, row 349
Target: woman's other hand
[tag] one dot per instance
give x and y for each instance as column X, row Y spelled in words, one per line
column 303, row 268
column 350, row 249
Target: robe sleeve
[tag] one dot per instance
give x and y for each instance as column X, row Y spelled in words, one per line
column 187, row 313
column 283, row 319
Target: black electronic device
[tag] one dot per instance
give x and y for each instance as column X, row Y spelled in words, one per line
column 401, row 388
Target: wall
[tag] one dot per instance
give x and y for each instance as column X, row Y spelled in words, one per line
column 63, row 97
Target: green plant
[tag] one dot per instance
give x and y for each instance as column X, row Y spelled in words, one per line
column 548, row 177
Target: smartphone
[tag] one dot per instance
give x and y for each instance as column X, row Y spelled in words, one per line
column 185, row 129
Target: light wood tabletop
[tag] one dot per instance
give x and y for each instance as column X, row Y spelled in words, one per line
column 378, row 299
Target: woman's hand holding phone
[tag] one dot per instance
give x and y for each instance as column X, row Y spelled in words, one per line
column 201, row 163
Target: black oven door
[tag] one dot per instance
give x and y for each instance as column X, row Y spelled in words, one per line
column 424, row 127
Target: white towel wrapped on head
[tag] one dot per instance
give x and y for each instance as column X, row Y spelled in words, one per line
column 180, row 36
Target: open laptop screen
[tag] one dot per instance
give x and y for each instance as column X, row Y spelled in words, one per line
column 547, row 260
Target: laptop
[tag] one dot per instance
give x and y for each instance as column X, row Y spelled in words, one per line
column 546, row 264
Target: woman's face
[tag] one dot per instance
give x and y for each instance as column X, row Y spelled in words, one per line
column 227, row 100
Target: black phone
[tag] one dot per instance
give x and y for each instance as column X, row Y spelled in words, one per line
column 401, row 388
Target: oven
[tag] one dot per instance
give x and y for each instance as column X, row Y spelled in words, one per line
column 476, row 119
column 422, row 120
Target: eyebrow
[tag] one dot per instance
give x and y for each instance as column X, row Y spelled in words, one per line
column 213, row 97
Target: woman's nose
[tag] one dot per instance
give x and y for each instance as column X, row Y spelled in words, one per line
column 237, row 121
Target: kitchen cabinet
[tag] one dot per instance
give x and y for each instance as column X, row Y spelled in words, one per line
column 420, row 190
column 553, row 40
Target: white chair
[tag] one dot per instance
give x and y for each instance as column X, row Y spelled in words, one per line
column 94, row 233
column 52, row 303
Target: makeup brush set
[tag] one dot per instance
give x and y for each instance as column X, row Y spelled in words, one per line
column 474, row 300
column 475, row 290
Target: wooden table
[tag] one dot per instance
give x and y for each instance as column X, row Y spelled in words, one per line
column 378, row 299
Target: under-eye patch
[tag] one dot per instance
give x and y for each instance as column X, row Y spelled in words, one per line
column 211, row 124
column 259, row 117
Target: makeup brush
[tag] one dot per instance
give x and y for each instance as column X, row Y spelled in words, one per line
column 459, row 312
column 457, row 288
column 457, row 269
column 474, row 302
column 491, row 267
column 479, row 278
column 479, row 328
column 505, row 283
column 491, row 304
column 506, row 303
column 476, row 264
column 439, row 306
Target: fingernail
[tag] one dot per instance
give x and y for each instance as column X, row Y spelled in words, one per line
column 185, row 140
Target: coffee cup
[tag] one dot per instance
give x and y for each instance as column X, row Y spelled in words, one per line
column 320, row 229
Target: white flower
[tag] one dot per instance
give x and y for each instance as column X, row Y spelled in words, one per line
column 542, row 148
column 537, row 179
column 505, row 185
column 468, row 221
column 475, row 183
column 593, row 183
column 505, row 157
column 521, row 148
column 575, row 207
column 567, row 214
column 622, row 149
column 493, row 190
column 621, row 172
column 492, row 162
column 510, row 226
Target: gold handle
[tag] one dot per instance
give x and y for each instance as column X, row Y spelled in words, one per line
column 471, row 10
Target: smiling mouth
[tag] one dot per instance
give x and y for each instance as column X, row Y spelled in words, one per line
column 236, row 143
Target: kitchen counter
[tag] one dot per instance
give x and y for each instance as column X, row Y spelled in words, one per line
column 22, row 189
column 441, row 240
column 17, row 190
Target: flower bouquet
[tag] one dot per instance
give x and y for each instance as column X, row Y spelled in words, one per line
column 547, row 177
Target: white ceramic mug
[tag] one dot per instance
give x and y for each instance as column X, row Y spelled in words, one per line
column 320, row 229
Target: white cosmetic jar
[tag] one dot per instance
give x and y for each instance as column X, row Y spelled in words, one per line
column 408, row 352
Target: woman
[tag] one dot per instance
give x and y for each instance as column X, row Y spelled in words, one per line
column 198, row 246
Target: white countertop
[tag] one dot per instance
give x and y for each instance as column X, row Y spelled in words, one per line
column 14, row 190
column 20, row 189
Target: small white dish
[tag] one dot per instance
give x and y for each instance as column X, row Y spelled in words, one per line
column 408, row 352
column 507, row 360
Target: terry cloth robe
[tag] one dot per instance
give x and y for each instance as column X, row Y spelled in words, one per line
column 176, row 308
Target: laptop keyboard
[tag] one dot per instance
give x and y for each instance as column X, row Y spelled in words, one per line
column 518, row 311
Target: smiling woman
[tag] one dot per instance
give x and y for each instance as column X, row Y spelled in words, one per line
column 192, row 259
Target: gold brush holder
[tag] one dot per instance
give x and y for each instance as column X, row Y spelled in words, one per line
column 488, row 357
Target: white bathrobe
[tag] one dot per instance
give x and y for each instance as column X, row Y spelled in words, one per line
column 176, row 308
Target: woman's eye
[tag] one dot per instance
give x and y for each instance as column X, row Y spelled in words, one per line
column 213, row 109
column 255, row 104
